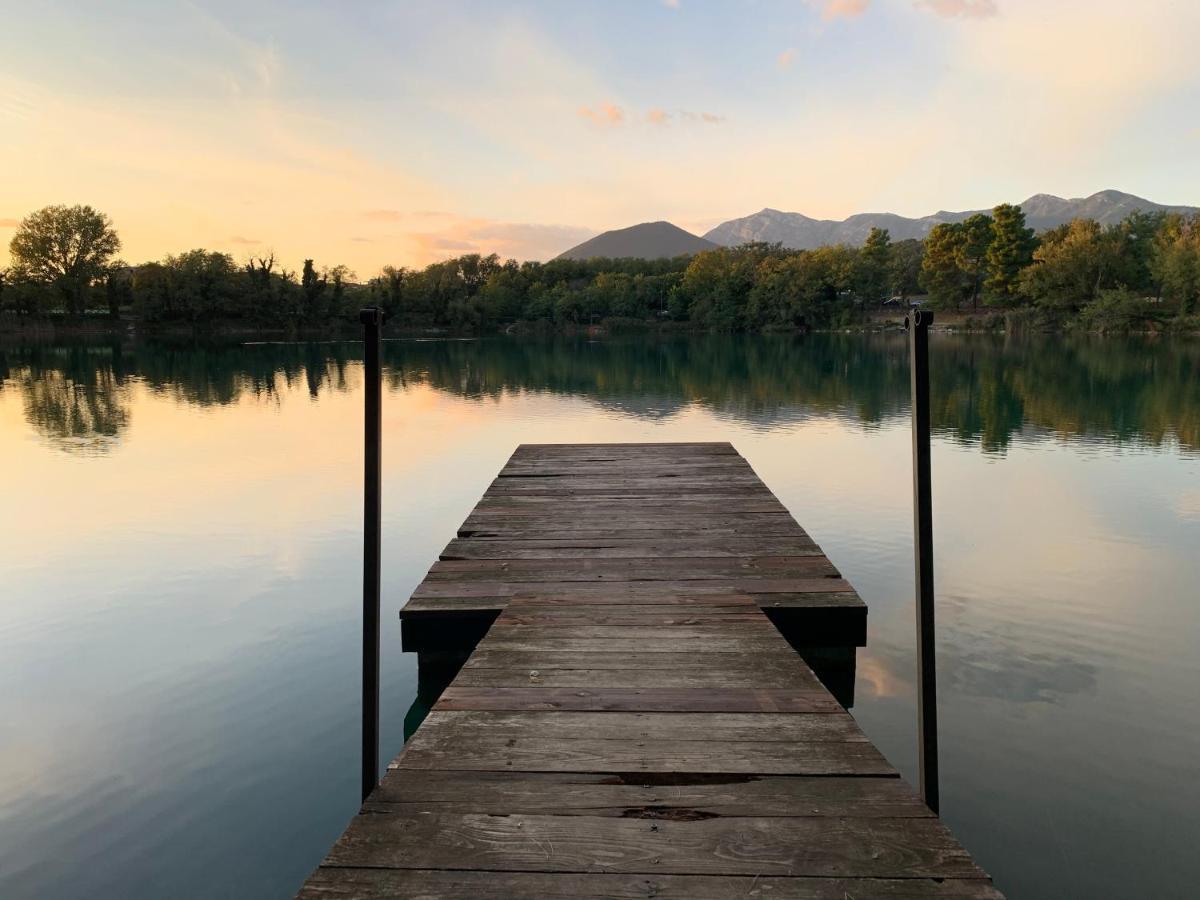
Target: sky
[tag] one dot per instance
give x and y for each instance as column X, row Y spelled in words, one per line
column 399, row 133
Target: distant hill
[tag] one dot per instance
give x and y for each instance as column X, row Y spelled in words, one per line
column 650, row 240
column 1042, row 211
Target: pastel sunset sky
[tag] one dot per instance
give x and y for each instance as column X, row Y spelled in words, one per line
column 370, row 133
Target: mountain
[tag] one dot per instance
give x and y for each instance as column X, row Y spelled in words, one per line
column 1042, row 211
column 650, row 240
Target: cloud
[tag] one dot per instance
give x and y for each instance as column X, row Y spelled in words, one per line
column 362, row 240
column 383, row 215
column 608, row 114
column 238, row 239
column 785, row 59
column 9, row 223
column 440, row 243
column 671, row 4
column 963, row 9
column 844, row 9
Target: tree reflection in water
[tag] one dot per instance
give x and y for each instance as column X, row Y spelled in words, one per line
column 987, row 389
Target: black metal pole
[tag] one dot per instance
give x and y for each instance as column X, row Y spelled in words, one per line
column 372, row 319
column 918, row 329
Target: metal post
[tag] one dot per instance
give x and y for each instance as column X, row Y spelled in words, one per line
column 372, row 319
column 918, row 329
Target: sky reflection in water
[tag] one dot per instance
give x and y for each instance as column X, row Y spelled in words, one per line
column 180, row 589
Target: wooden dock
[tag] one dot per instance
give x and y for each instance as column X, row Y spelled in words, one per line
column 632, row 723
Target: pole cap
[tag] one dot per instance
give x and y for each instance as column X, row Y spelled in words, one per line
column 922, row 318
column 372, row 315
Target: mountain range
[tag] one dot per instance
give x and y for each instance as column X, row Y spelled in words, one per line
column 799, row 232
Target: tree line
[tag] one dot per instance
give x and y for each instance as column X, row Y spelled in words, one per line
column 1143, row 271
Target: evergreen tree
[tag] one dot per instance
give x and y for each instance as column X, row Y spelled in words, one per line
column 941, row 276
column 975, row 238
column 872, row 266
column 1010, row 251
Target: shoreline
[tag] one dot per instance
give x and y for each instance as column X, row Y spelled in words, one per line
column 955, row 322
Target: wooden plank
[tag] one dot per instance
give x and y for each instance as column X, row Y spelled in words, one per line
column 674, row 569
column 430, row 884
column 680, row 676
column 649, row 795
column 618, row 615
column 766, row 661
column 763, row 846
column 758, row 631
column 657, row 726
column 741, row 584
column 625, row 645
column 639, row 699
column 537, row 754
column 777, row 526
column 566, row 548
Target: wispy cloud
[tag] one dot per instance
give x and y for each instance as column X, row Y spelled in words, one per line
column 785, row 59
column 961, row 9
column 607, row 114
column 844, row 9
column 9, row 223
column 671, row 4
column 362, row 240
column 238, row 239
column 383, row 215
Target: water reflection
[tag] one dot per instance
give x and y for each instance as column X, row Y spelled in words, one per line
column 988, row 390
column 181, row 588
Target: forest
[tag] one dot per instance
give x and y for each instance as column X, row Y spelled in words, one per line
column 1140, row 274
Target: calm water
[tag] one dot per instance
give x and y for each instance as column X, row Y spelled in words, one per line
column 179, row 581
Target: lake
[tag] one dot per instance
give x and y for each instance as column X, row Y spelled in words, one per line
column 180, row 565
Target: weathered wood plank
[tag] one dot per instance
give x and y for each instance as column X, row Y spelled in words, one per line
column 674, row 569
column 739, row 584
column 618, row 615
column 639, row 699
column 624, row 645
column 537, row 754
column 428, row 884
column 776, row 526
column 759, row 631
column 566, row 548
column 649, row 795
column 766, row 661
column 658, row 726
column 764, row 846
column 679, row 676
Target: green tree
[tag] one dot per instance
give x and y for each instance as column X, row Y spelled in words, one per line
column 975, row 238
column 67, row 247
column 312, row 286
column 1010, row 251
column 904, row 273
column 1175, row 261
column 1073, row 263
column 874, row 259
column 941, row 276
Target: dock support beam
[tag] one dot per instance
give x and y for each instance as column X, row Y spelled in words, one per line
column 918, row 329
column 372, row 320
